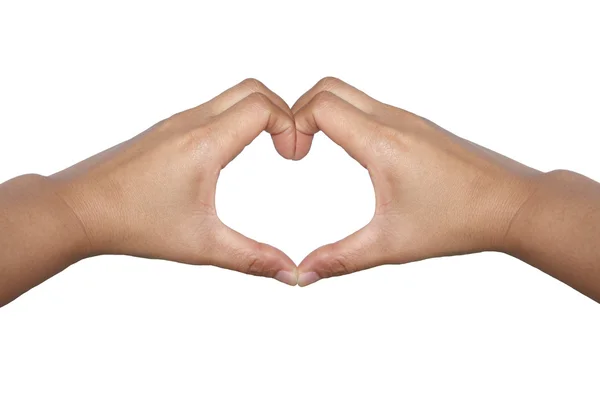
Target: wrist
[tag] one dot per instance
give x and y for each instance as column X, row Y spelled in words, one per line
column 507, row 201
column 78, row 201
column 60, row 219
column 526, row 220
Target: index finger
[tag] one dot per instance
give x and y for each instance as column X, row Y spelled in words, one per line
column 239, row 125
column 343, row 90
column 343, row 123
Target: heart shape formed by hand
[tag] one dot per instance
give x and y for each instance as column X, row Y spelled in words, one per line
column 423, row 177
column 154, row 195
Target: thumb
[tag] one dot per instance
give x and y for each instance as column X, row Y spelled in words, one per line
column 236, row 252
column 363, row 249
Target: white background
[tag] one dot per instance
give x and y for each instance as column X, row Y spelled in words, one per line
column 518, row 77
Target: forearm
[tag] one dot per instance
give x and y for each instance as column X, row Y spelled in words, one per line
column 39, row 235
column 558, row 230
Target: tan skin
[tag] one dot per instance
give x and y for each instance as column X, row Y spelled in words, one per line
column 436, row 195
column 152, row 196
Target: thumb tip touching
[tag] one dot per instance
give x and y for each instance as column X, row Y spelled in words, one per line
column 352, row 254
column 315, row 266
column 306, row 278
column 287, row 277
column 292, row 144
column 296, row 277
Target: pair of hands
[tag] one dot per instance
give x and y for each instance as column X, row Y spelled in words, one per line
column 436, row 194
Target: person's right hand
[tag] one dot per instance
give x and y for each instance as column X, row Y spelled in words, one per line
column 154, row 195
column 436, row 194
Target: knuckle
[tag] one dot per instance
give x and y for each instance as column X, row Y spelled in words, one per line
column 337, row 262
column 386, row 140
column 168, row 124
column 254, row 265
column 324, row 99
column 340, row 265
column 561, row 175
column 199, row 143
column 383, row 130
column 203, row 133
column 252, row 84
column 378, row 132
column 328, row 83
column 251, row 259
column 258, row 99
column 402, row 141
column 258, row 262
column 260, row 102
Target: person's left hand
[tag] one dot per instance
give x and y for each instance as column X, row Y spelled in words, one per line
column 436, row 193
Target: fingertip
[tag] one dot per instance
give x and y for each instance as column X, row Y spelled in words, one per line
column 298, row 157
column 237, row 252
column 286, row 152
column 285, row 142
column 307, row 278
column 293, row 144
column 287, row 277
column 303, row 145
column 307, row 269
column 287, row 271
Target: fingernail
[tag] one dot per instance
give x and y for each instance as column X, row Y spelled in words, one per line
column 307, row 278
column 287, row 277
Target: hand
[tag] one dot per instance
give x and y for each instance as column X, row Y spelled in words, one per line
column 436, row 194
column 154, row 195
